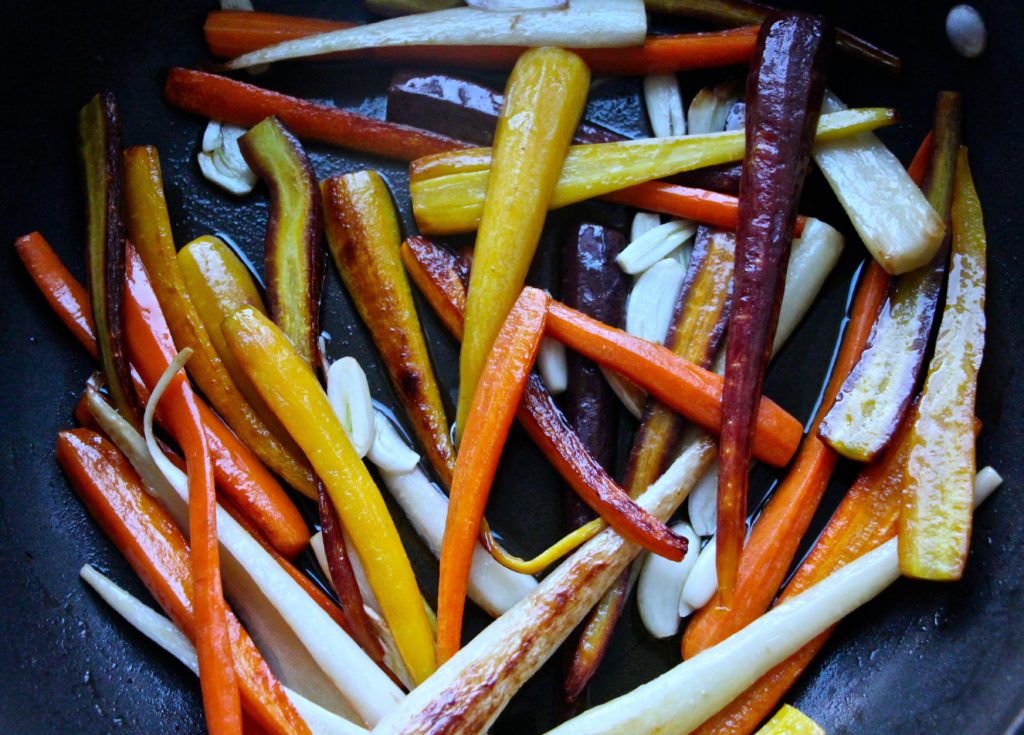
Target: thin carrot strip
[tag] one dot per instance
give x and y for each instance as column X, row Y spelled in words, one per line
column 678, row 383
column 494, row 404
column 154, row 547
column 776, row 535
column 233, row 33
column 216, row 672
column 238, row 472
column 221, row 98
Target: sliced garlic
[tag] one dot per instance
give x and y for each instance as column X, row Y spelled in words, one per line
column 221, row 160
column 702, row 583
column 664, row 105
column 643, row 222
column 349, row 396
column 389, row 452
column 652, row 301
column 654, row 245
column 711, row 106
column 660, row 586
column 552, row 365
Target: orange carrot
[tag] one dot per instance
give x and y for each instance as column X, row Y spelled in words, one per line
column 233, row 33
column 774, row 539
column 678, row 383
column 494, row 405
column 237, row 470
column 213, row 646
column 220, row 98
column 154, row 547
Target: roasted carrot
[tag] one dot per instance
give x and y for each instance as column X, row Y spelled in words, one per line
column 238, row 472
column 364, row 236
column 221, row 98
column 149, row 229
column 154, row 547
column 502, row 382
column 678, row 383
column 436, row 273
column 232, row 33
column 544, row 101
column 773, row 541
column 99, row 140
column 216, row 674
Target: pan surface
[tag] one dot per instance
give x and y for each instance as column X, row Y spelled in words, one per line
column 922, row 658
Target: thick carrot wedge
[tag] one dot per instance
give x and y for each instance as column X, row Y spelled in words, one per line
column 238, row 472
column 678, row 383
column 143, row 531
column 502, row 382
column 935, row 524
column 231, row 33
column 543, row 104
column 364, row 237
column 149, row 229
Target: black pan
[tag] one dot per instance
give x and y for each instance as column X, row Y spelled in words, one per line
column 923, row 658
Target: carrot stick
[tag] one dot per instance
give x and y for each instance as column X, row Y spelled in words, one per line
column 678, row 383
column 702, row 205
column 154, row 547
column 497, row 396
column 233, row 33
column 436, row 273
column 216, row 673
column 776, row 535
column 220, row 98
column 238, row 472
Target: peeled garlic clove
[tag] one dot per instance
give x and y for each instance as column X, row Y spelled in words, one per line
column 654, row 245
column 664, row 105
column 702, row 583
column 660, row 586
column 221, row 161
column 349, row 396
column 652, row 301
column 552, row 365
column 389, row 452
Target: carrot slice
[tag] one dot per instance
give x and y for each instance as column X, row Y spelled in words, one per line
column 678, row 383
column 154, row 547
column 238, row 472
column 501, row 385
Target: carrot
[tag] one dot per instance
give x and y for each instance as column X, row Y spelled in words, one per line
column 437, row 274
column 497, row 396
column 238, row 472
column 774, row 539
column 678, row 383
column 220, row 98
column 216, row 673
column 233, row 33
column 702, row 205
column 154, row 547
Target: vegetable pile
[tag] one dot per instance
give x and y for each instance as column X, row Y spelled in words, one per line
column 217, row 415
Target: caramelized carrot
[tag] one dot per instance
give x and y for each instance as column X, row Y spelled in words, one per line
column 238, row 472
column 232, row 33
column 216, row 672
column 154, row 547
column 494, row 405
column 678, row 383
column 776, row 535
column 220, row 98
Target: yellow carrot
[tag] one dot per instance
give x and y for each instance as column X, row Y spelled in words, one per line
column 149, row 229
column 448, row 188
column 543, row 103
column 790, row 721
column 935, row 522
column 292, row 391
